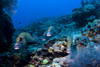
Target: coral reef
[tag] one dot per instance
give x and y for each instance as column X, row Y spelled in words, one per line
column 89, row 8
column 87, row 50
column 69, row 47
column 6, row 27
column 41, row 49
column 6, row 31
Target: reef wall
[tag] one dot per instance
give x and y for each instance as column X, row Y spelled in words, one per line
column 6, row 27
column 88, row 11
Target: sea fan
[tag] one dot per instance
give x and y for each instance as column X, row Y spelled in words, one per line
column 9, row 6
column 86, row 57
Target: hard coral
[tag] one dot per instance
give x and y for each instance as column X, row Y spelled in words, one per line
column 36, row 60
column 58, row 46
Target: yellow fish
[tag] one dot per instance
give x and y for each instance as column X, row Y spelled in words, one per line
column 23, row 39
column 69, row 45
column 50, row 31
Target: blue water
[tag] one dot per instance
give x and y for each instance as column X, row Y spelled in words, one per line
column 29, row 10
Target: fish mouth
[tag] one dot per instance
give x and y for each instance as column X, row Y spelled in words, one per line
column 44, row 39
column 16, row 47
column 48, row 34
column 68, row 51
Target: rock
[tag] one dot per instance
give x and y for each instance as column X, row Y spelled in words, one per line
column 80, row 15
column 6, row 31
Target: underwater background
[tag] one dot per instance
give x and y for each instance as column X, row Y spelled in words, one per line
column 29, row 11
column 49, row 33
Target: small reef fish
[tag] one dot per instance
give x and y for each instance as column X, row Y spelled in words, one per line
column 69, row 45
column 49, row 33
column 19, row 22
column 44, row 38
column 23, row 39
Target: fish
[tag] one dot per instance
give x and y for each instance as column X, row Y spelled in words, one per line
column 44, row 38
column 19, row 22
column 69, row 45
column 23, row 39
column 50, row 31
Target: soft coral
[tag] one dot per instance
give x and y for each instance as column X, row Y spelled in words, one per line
column 9, row 6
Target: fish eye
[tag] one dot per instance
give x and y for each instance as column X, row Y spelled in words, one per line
column 20, row 39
